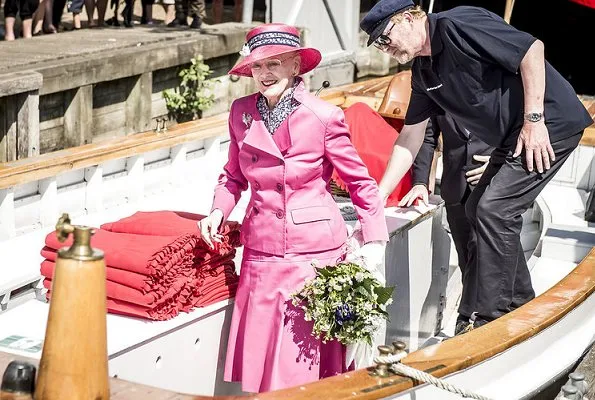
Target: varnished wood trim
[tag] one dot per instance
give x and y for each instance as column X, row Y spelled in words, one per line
column 51, row 164
column 588, row 138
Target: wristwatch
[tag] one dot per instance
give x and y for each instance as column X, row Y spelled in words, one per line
column 533, row 116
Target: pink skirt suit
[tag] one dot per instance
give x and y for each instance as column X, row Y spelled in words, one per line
column 291, row 219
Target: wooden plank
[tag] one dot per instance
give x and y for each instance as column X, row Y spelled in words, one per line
column 50, row 164
column 27, row 125
column 78, row 115
column 3, row 129
column 10, row 121
column 19, row 82
column 138, row 104
column 51, row 139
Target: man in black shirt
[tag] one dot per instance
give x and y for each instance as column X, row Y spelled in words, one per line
column 494, row 81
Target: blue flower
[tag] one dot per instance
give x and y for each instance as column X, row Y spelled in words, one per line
column 343, row 314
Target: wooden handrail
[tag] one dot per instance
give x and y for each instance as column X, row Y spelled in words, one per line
column 452, row 355
column 51, row 164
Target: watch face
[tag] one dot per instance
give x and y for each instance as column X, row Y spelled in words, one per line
column 533, row 117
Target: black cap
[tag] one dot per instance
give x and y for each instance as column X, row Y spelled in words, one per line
column 375, row 21
column 19, row 377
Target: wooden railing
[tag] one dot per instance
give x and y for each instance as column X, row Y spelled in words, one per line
column 51, row 164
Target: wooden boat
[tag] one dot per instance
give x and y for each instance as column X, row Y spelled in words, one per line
column 101, row 182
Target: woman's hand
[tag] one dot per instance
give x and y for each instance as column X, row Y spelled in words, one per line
column 208, row 228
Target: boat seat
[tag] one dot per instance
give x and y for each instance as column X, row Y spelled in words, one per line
column 396, row 99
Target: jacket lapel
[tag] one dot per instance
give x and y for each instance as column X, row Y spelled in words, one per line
column 259, row 137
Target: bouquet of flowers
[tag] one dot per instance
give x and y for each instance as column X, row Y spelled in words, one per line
column 346, row 303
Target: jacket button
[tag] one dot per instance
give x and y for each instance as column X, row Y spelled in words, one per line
column 279, row 187
column 256, row 186
column 254, row 158
column 279, row 214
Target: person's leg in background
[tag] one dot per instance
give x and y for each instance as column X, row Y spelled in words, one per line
column 11, row 9
column 27, row 8
column 57, row 11
column 147, row 16
column 181, row 18
column 198, row 12
column 170, row 10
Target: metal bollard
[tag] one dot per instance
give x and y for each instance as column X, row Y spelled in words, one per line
column 569, row 392
column 577, row 379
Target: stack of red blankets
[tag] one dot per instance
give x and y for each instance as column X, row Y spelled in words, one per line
column 157, row 265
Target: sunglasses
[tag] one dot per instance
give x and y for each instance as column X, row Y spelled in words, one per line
column 272, row 65
column 383, row 41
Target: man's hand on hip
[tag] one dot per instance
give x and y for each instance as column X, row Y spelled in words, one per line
column 535, row 139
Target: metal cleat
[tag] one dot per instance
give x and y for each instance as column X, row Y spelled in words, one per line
column 382, row 367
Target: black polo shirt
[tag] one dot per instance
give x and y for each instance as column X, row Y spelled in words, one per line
column 473, row 74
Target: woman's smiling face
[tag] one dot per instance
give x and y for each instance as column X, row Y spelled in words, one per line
column 274, row 75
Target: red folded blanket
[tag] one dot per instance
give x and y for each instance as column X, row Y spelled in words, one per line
column 156, row 265
column 137, row 281
column 174, row 223
column 143, row 254
column 165, row 310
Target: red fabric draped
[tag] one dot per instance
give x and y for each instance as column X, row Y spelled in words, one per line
column 586, row 3
column 373, row 138
column 156, row 265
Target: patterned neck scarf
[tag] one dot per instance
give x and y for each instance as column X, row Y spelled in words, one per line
column 274, row 118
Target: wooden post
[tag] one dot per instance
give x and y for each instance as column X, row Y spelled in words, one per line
column 138, row 104
column 78, row 116
column 27, row 124
column 508, row 10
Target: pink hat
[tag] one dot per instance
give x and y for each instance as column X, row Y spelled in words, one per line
column 270, row 40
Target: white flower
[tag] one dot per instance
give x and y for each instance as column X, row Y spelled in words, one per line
column 245, row 52
column 359, row 276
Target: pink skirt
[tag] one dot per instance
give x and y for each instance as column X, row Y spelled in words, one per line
column 270, row 344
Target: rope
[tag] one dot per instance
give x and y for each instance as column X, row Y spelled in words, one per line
column 402, row 369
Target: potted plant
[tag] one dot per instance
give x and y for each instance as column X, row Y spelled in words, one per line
column 194, row 94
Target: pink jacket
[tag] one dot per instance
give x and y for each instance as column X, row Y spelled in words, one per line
column 291, row 209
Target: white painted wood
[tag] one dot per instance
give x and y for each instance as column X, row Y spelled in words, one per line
column 7, row 218
column 136, row 167
column 48, row 189
column 179, row 164
column 94, row 195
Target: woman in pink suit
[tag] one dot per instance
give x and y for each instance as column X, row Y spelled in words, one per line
column 285, row 143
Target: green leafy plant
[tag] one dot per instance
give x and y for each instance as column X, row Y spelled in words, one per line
column 194, row 94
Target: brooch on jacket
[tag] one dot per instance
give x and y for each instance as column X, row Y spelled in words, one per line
column 247, row 119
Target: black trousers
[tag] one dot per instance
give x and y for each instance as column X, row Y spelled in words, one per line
column 496, row 279
column 460, row 229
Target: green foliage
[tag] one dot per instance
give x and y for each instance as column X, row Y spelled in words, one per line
column 194, row 95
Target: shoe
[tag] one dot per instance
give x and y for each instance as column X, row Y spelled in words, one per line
column 196, row 23
column 177, row 23
column 463, row 325
column 113, row 21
